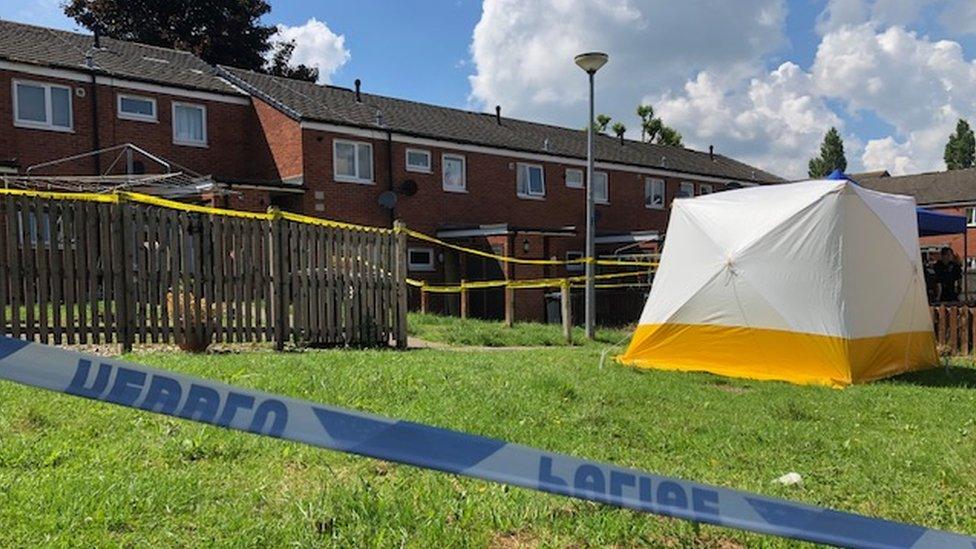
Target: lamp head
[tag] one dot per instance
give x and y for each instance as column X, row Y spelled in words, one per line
column 591, row 61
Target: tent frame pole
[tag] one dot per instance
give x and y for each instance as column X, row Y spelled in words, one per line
column 965, row 265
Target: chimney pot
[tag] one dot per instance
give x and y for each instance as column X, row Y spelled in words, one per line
column 498, row 114
column 711, row 152
column 359, row 98
column 98, row 38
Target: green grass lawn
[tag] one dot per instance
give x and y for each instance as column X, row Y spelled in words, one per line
column 490, row 333
column 76, row 472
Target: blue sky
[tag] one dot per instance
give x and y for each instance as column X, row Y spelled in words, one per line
column 759, row 79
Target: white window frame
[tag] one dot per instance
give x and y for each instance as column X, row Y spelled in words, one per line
column 206, row 134
column 140, row 117
column 419, row 169
column 582, row 178
column 464, row 173
column 971, row 217
column 47, row 125
column 425, row 267
column 703, row 186
column 682, row 185
column 597, row 199
column 649, row 182
column 570, row 256
column 343, row 178
column 528, row 188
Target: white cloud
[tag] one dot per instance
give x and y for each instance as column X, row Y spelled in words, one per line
column 888, row 154
column 317, row 46
column 956, row 16
column 703, row 68
column 774, row 121
column 523, row 51
column 960, row 17
column 919, row 86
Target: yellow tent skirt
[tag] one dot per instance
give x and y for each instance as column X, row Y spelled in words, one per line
column 759, row 353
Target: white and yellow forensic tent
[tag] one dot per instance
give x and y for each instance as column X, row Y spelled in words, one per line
column 818, row 282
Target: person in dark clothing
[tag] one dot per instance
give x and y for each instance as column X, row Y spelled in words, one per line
column 931, row 285
column 948, row 273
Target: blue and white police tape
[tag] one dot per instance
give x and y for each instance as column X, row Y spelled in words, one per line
column 420, row 445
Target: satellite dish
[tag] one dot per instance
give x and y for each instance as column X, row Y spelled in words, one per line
column 388, row 200
column 408, row 187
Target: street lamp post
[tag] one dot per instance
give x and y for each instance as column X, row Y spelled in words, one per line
column 590, row 62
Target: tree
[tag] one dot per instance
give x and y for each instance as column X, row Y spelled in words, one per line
column 602, row 121
column 960, row 151
column 654, row 130
column 669, row 136
column 280, row 64
column 619, row 130
column 831, row 156
column 646, row 113
column 227, row 32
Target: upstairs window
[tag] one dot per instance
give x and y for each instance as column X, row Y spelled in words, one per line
column 704, row 189
column 654, row 193
column 136, row 107
column 455, row 178
column 574, row 178
column 418, row 160
column 686, row 190
column 531, row 180
column 601, row 187
column 42, row 106
column 189, row 124
column 971, row 217
column 352, row 161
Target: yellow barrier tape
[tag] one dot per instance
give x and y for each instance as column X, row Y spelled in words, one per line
column 299, row 218
column 521, row 261
column 192, row 208
column 502, row 258
column 516, row 284
column 87, row 197
column 140, row 198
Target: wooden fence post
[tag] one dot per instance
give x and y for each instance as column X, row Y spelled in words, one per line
column 400, row 272
column 424, row 299
column 125, row 296
column 509, row 307
column 278, row 287
column 464, row 299
column 567, row 311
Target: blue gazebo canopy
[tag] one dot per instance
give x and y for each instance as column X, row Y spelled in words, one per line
column 929, row 223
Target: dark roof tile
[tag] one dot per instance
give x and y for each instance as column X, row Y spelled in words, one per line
column 55, row 48
column 336, row 105
column 927, row 188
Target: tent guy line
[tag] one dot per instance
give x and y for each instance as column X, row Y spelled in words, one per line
column 438, row 449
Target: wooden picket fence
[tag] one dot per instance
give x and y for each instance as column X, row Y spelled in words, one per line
column 97, row 269
column 954, row 325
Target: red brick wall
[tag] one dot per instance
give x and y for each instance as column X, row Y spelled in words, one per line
column 277, row 139
column 230, row 129
column 490, row 196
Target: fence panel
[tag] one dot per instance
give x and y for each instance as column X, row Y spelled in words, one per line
column 109, row 271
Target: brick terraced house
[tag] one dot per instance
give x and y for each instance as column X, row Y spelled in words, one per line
column 478, row 179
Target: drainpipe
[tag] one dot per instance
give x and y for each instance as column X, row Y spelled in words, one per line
column 389, row 172
column 96, row 141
